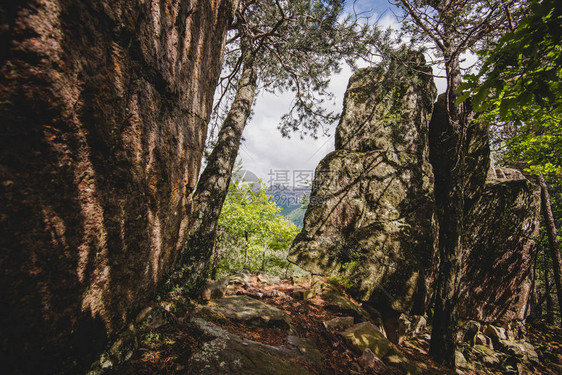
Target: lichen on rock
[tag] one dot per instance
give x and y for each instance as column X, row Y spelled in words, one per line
column 371, row 211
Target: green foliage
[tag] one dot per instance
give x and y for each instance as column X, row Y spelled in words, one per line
column 341, row 281
column 519, row 87
column 296, row 216
column 253, row 234
column 295, row 46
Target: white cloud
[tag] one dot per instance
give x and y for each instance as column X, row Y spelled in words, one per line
column 264, row 149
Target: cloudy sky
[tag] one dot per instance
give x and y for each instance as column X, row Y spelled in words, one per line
column 264, row 149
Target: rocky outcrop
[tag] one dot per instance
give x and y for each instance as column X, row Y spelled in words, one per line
column 500, row 228
column 501, row 222
column 182, row 336
column 227, row 353
column 371, row 211
column 104, row 107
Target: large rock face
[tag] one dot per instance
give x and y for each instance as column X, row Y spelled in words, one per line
column 371, row 212
column 104, row 107
column 501, row 222
column 500, row 228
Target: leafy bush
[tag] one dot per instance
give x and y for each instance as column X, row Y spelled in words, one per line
column 252, row 233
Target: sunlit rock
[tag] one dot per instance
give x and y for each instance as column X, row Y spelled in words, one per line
column 371, row 212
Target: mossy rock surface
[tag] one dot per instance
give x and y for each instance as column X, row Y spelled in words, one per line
column 228, row 354
column 247, row 310
column 366, row 336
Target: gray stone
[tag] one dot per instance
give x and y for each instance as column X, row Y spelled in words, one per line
column 337, row 303
column 242, row 277
column 500, row 224
column 339, row 323
column 519, row 349
column 303, row 294
column 228, row 354
column 468, row 331
column 401, row 362
column 375, row 317
column 215, row 288
column 482, row 339
column 495, row 333
column 486, row 355
column 249, row 311
column 307, row 348
column 369, row 360
column 500, row 229
column 268, row 279
column 104, row 108
column 365, row 335
column 371, row 212
column 460, row 360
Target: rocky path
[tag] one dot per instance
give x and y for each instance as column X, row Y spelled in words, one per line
column 259, row 324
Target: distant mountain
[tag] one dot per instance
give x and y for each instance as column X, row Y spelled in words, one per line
column 296, row 215
column 290, row 200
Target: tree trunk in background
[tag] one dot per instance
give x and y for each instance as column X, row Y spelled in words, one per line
column 450, row 214
column 213, row 184
column 532, row 301
column 549, row 304
column 552, row 239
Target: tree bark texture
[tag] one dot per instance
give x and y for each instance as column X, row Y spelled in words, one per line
column 448, row 159
column 213, row 183
column 549, row 304
column 552, row 239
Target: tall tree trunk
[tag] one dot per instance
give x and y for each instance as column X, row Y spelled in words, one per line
column 213, row 184
column 549, row 304
column 445, row 320
column 552, row 239
column 532, row 300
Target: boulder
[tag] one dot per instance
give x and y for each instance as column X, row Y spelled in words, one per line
column 519, row 349
column 482, row 339
column 371, row 211
column 365, row 335
column 371, row 217
column 268, row 279
column 486, row 355
column 307, row 348
column 339, row 323
column 247, row 310
column 337, row 303
column 500, row 228
column 401, row 362
column 501, row 221
column 495, row 333
column 303, row 294
column 467, row 331
column 460, row 360
column 370, row 361
column 215, row 288
column 242, row 277
column 104, row 107
column 225, row 353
